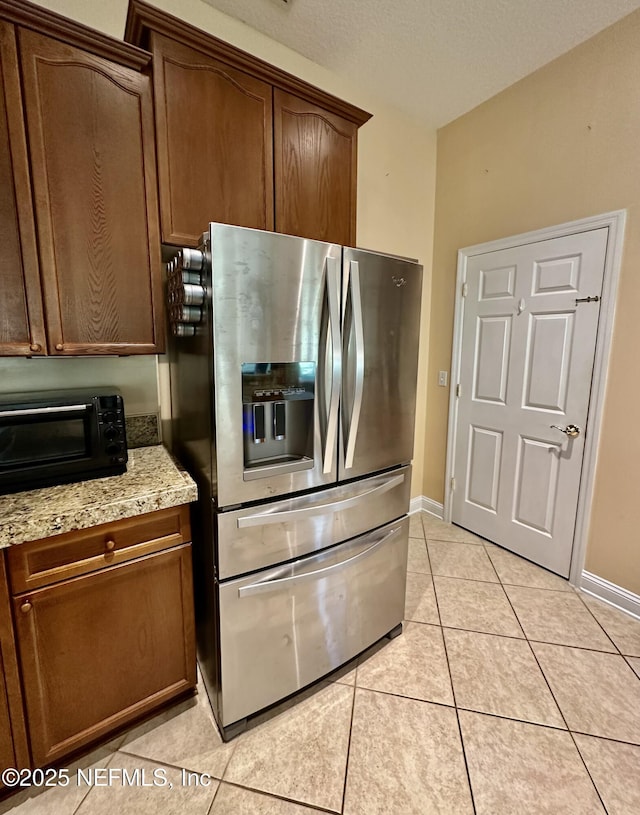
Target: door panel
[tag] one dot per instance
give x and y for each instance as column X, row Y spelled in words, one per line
column 215, row 153
column 91, row 137
column 271, row 296
column 549, row 343
column 492, row 358
column 536, row 484
column 315, row 170
column 100, row 650
column 483, row 478
column 314, row 615
column 526, row 364
column 263, row 535
column 380, row 363
column 496, row 284
column 21, row 314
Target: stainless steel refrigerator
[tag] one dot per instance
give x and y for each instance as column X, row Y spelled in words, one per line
column 293, row 379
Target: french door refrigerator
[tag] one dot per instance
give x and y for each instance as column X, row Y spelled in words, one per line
column 293, row 379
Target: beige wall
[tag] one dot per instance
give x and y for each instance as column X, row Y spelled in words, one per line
column 562, row 144
column 396, row 157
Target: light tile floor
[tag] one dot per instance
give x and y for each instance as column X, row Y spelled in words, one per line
column 508, row 692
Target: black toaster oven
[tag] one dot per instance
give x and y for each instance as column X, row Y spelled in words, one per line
column 55, row 437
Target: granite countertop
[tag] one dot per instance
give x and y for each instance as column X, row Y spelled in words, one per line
column 152, row 481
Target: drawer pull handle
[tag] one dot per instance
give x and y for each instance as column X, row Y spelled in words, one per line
column 26, row 607
column 282, row 582
column 316, row 510
column 110, row 545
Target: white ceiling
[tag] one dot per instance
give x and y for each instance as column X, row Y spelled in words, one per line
column 433, row 59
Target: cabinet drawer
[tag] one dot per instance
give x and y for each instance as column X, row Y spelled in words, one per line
column 41, row 562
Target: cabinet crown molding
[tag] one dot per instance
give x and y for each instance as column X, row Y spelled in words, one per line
column 37, row 18
column 143, row 18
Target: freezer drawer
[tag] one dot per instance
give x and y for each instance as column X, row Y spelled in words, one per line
column 257, row 537
column 283, row 628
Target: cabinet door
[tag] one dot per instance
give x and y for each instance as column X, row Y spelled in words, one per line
column 215, row 154
column 21, row 318
column 13, row 746
column 315, row 161
column 90, row 135
column 7, row 755
column 100, row 650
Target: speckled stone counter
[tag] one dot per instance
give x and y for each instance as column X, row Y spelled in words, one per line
column 152, row 481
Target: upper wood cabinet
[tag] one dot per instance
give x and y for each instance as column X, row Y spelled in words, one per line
column 213, row 131
column 78, row 104
column 21, row 315
column 315, row 154
column 242, row 142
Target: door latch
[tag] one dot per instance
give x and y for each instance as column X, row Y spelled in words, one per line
column 595, row 299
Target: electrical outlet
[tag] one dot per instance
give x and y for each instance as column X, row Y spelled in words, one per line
column 443, row 376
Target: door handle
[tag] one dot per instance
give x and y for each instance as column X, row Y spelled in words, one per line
column 571, row 430
column 333, row 288
column 356, row 305
column 44, row 411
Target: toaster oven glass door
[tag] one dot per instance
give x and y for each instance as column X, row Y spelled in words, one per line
column 36, row 436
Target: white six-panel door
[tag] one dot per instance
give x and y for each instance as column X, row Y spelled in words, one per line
column 526, row 363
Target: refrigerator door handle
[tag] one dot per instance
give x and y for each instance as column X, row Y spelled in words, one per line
column 265, row 518
column 358, row 329
column 282, row 582
column 332, row 280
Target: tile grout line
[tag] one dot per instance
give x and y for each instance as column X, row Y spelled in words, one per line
column 276, row 797
column 76, row 811
column 615, row 645
column 626, row 659
column 215, row 795
column 353, row 707
column 455, row 707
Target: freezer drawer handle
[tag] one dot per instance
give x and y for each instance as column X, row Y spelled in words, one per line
column 278, row 583
column 318, row 509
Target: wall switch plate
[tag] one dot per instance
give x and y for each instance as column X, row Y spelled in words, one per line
column 442, row 378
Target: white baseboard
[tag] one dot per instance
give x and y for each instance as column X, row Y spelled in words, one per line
column 611, row 594
column 423, row 504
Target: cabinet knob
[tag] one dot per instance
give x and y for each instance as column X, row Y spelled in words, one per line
column 25, row 608
column 59, row 347
column 110, row 545
column 35, row 346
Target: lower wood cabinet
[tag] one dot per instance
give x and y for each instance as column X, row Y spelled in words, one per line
column 113, row 641
column 13, row 744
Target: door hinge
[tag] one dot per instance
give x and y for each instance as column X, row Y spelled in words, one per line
column 458, row 391
column 453, row 483
column 465, row 289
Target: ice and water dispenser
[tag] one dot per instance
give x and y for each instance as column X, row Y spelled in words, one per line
column 278, row 417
